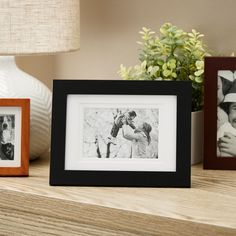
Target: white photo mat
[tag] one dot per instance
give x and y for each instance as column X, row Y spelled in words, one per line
column 17, row 111
column 167, row 106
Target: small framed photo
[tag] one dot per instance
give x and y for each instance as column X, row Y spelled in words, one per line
column 220, row 113
column 121, row 133
column 14, row 137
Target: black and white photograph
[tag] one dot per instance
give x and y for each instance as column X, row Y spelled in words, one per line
column 226, row 113
column 10, row 135
column 120, row 133
column 7, row 136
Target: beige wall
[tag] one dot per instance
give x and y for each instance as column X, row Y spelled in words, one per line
column 109, row 31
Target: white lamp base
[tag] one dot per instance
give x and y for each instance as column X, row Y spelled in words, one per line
column 14, row 83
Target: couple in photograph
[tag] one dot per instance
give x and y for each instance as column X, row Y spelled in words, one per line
column 138, row 136
column 226, row 114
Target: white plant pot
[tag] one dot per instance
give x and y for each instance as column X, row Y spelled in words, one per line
column 197, row 137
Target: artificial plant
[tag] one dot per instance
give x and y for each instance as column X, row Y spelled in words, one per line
column 173, row 55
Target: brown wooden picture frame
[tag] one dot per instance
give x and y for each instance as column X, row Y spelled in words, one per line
column 23, row 170
column 212, row 66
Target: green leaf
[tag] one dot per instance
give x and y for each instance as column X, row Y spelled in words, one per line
column 164, row 67
column 144, row 65
column 167, row 73
column 150, row 68
column 145, row 29
column 199, row 72
column 160, row 62
column 191, row 77
column 199, row 79
column 179, row 42
column 140, row 43
column 141, row 32
column 171, row 64
column 174, row 75
column 199, row 64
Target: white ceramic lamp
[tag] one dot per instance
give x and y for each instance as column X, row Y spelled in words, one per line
column 31, row 27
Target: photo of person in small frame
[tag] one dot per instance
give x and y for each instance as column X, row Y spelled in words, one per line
column 226, row 133
column 225, row 81
column 7, row 134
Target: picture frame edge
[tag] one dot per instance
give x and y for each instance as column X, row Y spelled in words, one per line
column 57, row 173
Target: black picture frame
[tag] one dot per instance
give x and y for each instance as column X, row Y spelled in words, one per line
column 212, row 66
column 180, row 178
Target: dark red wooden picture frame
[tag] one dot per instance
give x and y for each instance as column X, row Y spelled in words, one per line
column 212, row 66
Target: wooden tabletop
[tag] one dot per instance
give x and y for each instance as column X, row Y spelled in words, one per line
column 29, row 206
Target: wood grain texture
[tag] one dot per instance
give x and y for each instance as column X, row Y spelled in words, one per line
column 34, row 207
column 43, row 215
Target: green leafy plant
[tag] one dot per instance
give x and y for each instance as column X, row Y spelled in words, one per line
column 173, row 55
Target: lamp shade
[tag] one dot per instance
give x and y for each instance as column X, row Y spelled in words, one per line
column 39, row 26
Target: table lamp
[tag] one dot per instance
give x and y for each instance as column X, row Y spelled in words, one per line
column 32, row 27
